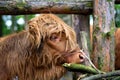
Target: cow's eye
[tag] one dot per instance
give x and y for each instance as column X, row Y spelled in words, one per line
column 53, row 37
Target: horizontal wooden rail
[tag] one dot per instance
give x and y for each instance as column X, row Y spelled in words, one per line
column 16, row 7
column 117, row 1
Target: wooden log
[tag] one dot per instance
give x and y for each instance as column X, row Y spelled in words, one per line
column 17, row 7
column 117, row 1
column 114, row 74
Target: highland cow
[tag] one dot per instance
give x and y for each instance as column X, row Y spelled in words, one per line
column 39, row 52
column 117, row 49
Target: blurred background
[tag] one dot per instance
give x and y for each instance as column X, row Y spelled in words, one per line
column 15, row 23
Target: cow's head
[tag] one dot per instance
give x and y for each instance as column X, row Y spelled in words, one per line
column 57, row 39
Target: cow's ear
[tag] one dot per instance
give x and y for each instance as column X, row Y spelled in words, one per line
column 33, row 28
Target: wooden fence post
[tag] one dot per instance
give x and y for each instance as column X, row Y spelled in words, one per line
column 103, row 34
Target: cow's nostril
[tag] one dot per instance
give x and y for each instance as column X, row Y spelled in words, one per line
column 81, row 58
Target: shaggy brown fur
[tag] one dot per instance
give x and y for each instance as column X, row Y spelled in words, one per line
column 117, row 49
column 39, row 52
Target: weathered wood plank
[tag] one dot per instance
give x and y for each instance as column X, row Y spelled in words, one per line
column 16, row 7
column 117, row 1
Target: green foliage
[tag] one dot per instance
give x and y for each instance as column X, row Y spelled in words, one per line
column 8, row 24
column 109, row 0
column 117, row 15
column 117, row 6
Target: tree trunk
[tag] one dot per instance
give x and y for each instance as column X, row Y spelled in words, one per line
column 13, row 24
column 26, row 20
column 103, row 35
column 81, row 26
